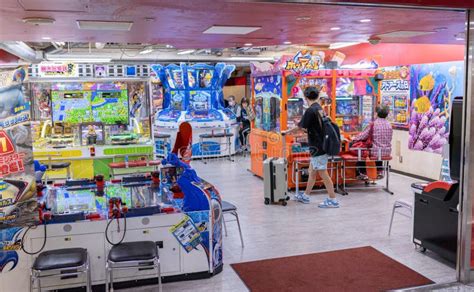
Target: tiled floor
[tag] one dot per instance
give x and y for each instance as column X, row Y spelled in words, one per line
column 276, row 231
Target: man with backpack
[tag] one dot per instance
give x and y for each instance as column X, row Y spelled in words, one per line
column 323, row 140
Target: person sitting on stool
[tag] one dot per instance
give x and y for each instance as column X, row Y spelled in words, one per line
column 381, row 131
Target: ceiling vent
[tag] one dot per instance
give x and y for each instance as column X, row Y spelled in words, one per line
column 240, row 30
column 105, row 25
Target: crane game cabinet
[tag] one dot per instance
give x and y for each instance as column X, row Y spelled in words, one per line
column 347, row 96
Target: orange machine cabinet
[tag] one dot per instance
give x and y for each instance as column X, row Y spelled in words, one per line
column 347, row 96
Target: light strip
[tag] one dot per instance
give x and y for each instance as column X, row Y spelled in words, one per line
column 79, row 59
column 336, row 46
column 251, row 59
column 186, row 52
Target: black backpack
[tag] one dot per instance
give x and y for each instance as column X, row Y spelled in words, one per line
column 332, row 136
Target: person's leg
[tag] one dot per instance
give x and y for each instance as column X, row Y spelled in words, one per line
column 241, row 136
column 380, row 169
column 361, row 170
column 311, row 179
column 328, row 184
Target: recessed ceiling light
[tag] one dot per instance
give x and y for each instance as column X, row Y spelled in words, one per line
column 365, row 20
column 185, row 52
column 459, row 39
column 241, row 30
column 46, row 38
column 104, row 25
column 303, row 18
column 287, row 43
column 248, row 44
column 149, row 19
column 335, row 28
column 168, row 46
column 78, row 59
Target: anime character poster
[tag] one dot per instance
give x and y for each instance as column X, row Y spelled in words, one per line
column 18, row 206
column 267, row 94
column 432, row 89
column 137, row 98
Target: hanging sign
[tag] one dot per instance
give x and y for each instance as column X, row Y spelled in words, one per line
column 305, row 62
column 65, row 69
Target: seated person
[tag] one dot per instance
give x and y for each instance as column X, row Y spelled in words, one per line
column 380, row 132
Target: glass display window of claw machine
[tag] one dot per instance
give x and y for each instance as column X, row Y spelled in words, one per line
column 355, row 103
column 296, row 104
column 267, row 99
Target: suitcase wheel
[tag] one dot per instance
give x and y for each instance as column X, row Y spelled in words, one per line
column 267, row 201
column 284, row 203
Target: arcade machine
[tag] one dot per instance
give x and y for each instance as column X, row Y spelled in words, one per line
column 90, row 124
column 436, row 208
column 173, row 207
column 193, row 93
column 348, row 97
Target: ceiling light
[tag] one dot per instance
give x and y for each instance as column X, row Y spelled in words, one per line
column 248, row 44
column 365, row 20
column 459, row 39
column 169, row 46
column 99, row 45
column 104, row 25
column 146, row 50
column 38, row 20
column 303, row 18
column 287, row 43
column 440, row 28
column 335, row 46
column 60, row 44
column 46, row 38
column 405, row 34
column 185, row 52
column 335, row 28
column 241, row 30
column 78, row 59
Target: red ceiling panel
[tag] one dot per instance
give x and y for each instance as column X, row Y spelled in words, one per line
column 181, row 23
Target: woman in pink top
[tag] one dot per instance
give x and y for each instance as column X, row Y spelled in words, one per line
column 381, row 131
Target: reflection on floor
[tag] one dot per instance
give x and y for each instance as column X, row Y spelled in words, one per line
column 276, row 231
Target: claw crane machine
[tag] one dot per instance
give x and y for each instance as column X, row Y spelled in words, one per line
column 348, row 96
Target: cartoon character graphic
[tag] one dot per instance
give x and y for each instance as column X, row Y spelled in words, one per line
column 11, row 98
column 136, row 104
column 9, row 244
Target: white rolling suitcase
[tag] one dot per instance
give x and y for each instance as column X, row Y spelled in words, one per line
column 275, row 179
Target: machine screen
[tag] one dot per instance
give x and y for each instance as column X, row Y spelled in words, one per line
column 76, row 201
column 134, row 196
column 110, row 107
column 71, row 106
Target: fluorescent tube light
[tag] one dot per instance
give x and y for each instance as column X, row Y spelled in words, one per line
column 76, row 59
column 185, row 52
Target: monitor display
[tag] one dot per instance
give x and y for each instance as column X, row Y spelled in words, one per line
column 110, row 107
column 71, row 106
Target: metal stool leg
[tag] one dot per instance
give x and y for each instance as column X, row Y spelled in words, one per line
column 158, row 268
column 225, row 226
column 107, row 276
column 391, row 219
column 88, row 275
column 32, row 281
column 111, row 279
column 238, row 224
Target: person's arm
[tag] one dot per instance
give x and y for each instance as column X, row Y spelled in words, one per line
column 364, row 135
column 302, row 125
